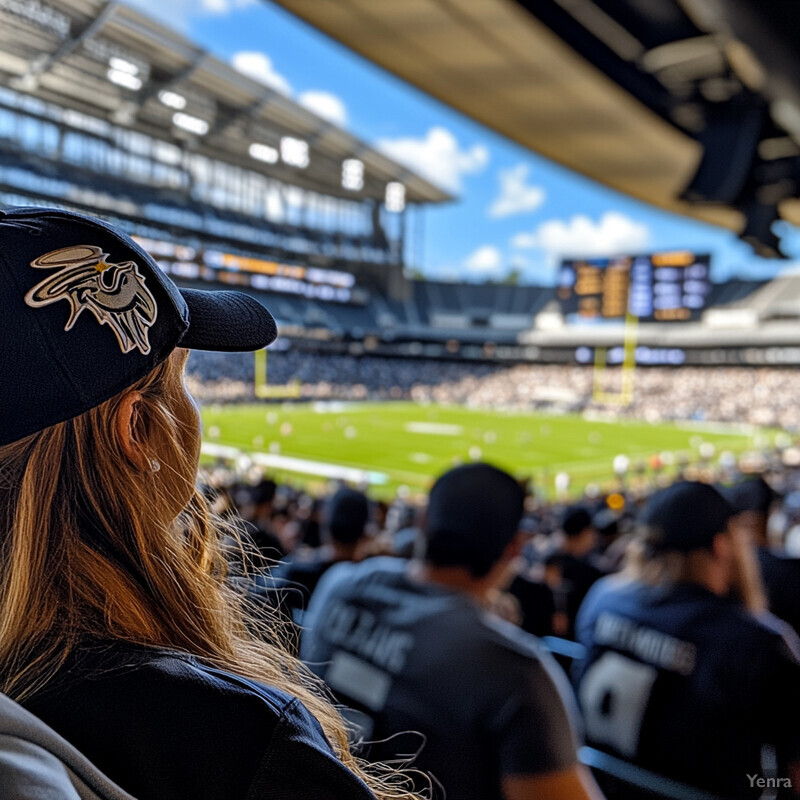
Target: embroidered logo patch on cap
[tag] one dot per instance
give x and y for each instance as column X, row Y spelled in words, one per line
column 115, row 293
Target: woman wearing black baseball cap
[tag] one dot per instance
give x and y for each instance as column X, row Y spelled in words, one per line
column 117, row 626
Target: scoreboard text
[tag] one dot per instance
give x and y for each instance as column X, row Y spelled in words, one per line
column 663, row 287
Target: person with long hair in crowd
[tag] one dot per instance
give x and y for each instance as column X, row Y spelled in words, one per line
column 118, row 627
column 686, row 674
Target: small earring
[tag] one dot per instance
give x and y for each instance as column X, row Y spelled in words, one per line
column 155, row 465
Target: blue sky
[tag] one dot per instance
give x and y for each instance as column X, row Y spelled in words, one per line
column 513, row 207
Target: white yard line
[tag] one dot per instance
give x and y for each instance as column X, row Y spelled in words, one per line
column 303, row 465
column 435, row 428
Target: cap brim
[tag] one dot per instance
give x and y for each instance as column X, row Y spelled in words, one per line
column 226, row 321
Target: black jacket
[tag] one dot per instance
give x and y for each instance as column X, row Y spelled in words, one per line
column 166, row 727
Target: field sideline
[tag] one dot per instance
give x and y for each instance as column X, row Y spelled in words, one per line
column 406, row 444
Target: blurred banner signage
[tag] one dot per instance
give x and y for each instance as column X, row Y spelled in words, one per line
column 236, row 270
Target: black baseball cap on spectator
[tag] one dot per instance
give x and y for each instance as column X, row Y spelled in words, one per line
column 575, row 520
column 685, row 516
column 473, row 514
column 753, row 494
column 263, row 491
column 85, row 313
column 347, row 515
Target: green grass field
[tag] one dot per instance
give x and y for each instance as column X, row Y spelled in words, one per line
column 406, row 444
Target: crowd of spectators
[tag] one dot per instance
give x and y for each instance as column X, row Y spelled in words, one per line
column 285, row 520
column 565, row 548
column 662, row 600
column 757, row 396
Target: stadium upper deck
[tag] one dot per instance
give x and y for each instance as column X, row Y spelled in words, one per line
column 229, row 182
column 690, row 105
column 103, row 109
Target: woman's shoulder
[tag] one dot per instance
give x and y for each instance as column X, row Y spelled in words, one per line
column 157, row 683
column 163, row 724
column 154, row 670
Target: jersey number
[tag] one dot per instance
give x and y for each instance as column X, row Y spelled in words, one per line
column 614, row 694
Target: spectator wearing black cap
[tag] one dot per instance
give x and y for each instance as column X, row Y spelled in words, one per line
column 120, row 630
column 410, row 647
column 753, row 500
column 344, row 524
column 681, row 676
column 569, row 570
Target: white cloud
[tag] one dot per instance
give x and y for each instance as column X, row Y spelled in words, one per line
column 516, row 197
column 485, row 259
column 325, row 105
column 258, row 66
column 612, row 234
column 224, row 6
column 176, row 14
column 438, row 157
column 179, row 14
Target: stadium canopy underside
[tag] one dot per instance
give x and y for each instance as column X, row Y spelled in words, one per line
column 109, row 63
column 690, row 105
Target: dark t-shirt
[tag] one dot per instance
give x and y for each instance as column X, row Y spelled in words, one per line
column 688, row 685
column 536, row 603
column 417, row 657
column 577, row 577
column 165, row 727
column 304, row 571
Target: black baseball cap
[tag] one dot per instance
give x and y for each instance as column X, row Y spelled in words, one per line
column 575, row 520
column 85, row 313
column 347, row 515
column 473, row 513
column 753, row 494
column 685, row 516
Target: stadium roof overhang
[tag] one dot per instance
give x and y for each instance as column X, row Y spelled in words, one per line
column 690, row 105
column 112, row 63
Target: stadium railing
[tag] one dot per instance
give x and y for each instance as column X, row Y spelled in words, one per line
column 565, row 651
column 621, row 780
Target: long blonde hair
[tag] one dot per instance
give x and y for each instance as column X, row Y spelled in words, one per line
column 88, row 548
column 644, row 563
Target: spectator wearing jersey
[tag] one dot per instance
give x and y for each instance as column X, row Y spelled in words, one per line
column 410, row 648
column 753, row 500
column 685, row 675
column 345, row 533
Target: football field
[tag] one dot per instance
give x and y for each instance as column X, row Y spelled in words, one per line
column 390, row 445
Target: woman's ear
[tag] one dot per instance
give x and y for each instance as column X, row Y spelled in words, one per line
column 125, row 422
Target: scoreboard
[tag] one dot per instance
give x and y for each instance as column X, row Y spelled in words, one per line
column 662, row 287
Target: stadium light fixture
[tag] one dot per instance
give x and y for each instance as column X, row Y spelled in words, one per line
column 124, row 73
column 263, row 152
column 172, row 99
column 395, row 197
column 294, row 152
column 123, row 65
column 189, row 123
column 352, row 174
column 124, row 79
